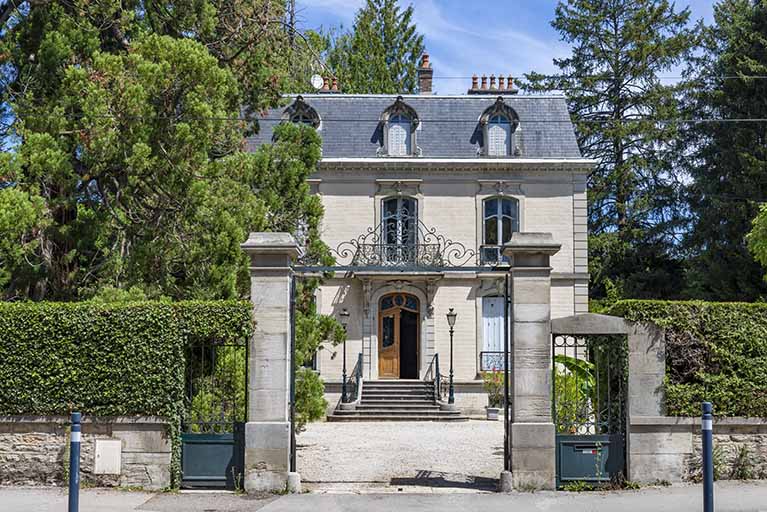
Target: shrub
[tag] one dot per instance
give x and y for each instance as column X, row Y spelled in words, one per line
column 714, row 351
column 108, row 359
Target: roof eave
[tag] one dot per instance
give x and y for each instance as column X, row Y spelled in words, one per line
column 563, row 164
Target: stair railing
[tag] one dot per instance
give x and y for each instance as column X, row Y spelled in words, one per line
column 354, row 382
column 434, row 376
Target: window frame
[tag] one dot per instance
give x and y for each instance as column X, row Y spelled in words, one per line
column 486, row 247
column 399, row 109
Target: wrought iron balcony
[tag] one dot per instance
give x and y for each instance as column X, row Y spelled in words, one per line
column 398, row 255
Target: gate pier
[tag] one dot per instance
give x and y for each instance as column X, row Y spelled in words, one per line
column 268, row 428
column 532, row 433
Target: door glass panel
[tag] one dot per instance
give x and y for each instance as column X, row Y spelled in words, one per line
column 387, row 303
column 507, row 206
column 388, row 331
column 411, row 302
column 491, row 207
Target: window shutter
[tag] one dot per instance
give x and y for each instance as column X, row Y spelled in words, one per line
column 492, row 330
column 399, row 139
column 499, row 135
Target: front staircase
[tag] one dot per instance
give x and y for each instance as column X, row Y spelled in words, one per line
column 396, row 400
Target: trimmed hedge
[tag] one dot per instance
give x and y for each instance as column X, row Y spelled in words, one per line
column 108, row 359
column 715, row 351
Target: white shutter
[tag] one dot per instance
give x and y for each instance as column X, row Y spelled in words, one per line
column 492, row 331
column 399, row 139
column 499, row 135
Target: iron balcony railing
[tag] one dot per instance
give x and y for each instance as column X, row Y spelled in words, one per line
column 420, row 255
column 354, row 381
column 491, row 361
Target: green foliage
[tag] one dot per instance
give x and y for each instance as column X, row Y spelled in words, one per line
column 619, row 49
column 757, row 238
column 220, row 395
column 714, row 351
column 493, row 384
column 108, row 359
column 578, row 486
column 744, row 466
column 312, row 404
column 129, row 168
column 380, row 54
column 727, row 161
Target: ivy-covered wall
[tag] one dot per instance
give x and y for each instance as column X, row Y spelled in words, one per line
column 715, row 351
column 117, row 359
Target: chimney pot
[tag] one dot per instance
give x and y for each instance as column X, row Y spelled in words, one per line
column 492, row 81
column 335, row 84
column 509, row 83
column 325, row 83
column 425, row 75
column 484, row 82
column 474, row 81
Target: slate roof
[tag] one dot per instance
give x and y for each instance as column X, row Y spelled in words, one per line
column 449, row 124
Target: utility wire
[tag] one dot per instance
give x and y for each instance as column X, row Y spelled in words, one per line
column 377, row 120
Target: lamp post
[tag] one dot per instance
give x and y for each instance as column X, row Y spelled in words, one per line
column 344, row 318
column 451, row 315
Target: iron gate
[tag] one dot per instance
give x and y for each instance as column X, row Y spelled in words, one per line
column 213, row 437
column 589, row 407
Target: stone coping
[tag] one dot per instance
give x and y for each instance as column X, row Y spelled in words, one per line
column 65, row 420
column 692, row 424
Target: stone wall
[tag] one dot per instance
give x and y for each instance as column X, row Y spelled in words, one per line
column 668, row 448
column 34, row 450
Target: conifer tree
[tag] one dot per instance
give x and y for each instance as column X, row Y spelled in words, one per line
column 611, row 80
column 728, row 160
column 381, row 53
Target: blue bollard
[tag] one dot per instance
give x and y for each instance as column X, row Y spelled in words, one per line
column 707, row 433
column 74, row 464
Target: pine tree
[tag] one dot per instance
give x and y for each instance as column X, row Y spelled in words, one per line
column 381, row 53
column 611, row 80
column 728, row 160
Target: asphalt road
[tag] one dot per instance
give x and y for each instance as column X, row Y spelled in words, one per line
column 730, row 496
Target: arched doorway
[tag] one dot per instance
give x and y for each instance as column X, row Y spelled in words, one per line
column 398, row 341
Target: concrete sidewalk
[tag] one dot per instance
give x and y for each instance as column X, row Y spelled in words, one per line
column 730, row 496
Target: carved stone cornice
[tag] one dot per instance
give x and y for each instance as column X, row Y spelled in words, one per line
column 499, row 187
column 399, row 187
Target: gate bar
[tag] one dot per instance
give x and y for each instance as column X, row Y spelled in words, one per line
column 292, row 374
column 507, row 306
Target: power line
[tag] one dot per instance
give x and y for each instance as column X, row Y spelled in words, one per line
column 608, row 76
column 182, row 119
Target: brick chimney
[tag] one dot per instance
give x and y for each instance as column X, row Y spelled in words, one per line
column 479, row 85
column 425, row 75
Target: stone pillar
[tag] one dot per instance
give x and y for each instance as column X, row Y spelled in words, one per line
column 267, row 432
column 533, row 462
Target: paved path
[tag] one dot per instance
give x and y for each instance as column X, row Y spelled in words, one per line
column 730, row 497
column 463, row 455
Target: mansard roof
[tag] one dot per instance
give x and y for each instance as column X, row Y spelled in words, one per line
column 450, row 126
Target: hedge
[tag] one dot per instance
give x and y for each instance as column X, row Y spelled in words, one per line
column 715, row 351
column 108, row 359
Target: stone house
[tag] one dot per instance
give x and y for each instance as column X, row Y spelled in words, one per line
column 420, row 192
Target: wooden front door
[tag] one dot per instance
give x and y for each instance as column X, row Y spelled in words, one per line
column 398, row 337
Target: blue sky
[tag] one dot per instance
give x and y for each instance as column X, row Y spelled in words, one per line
column 475, row 36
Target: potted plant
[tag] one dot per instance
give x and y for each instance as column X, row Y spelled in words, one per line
column 493, row 384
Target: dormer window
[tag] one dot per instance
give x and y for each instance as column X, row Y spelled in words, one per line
column 399, row 124
column 302, row 112
column 499, row 122
column 498, row 136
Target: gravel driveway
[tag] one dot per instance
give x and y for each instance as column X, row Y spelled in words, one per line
column 432, row 454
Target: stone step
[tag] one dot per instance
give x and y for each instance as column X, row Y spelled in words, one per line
column 397, row 389
column 396, row 417
column 413, row 412
column 385, row 392
column 395, row 405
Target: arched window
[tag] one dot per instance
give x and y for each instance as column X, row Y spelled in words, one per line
column 399, row 227
column 399, row 123
column 500, row 219
column 499, row 122
column 302, row 112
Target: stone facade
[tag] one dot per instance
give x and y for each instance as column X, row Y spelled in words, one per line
column 34, row 450
column 450, row 201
